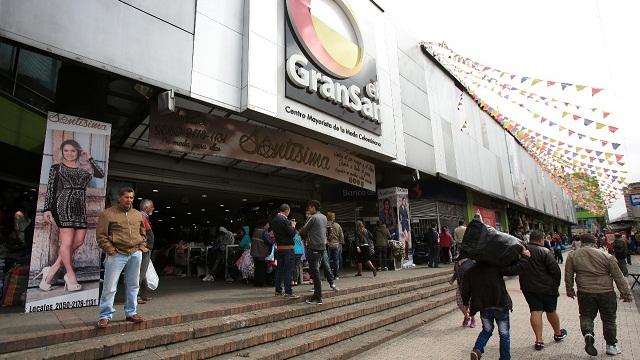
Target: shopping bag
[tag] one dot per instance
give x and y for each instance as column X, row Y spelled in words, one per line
column 152, row 277
column 485, row 244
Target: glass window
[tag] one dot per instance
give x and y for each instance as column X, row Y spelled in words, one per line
column 38, row 72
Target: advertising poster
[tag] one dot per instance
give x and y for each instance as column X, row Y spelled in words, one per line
column 393, row 205
column 65, row 259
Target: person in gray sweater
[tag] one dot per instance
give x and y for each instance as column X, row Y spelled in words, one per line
column 315, row 231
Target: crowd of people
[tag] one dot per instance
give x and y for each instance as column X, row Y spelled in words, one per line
column 481, row 289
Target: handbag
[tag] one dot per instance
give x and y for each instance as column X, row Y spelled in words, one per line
column 152, row 277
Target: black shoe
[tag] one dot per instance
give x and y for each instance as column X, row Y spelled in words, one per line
column 563, row 334
column 375, row 273
column 279, row 293
column 314, row 302
column 588, row 345
column 539, row 345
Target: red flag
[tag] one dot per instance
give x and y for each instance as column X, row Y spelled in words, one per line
column 571, row 132
column 594, row 91
column 619, row 157
column 604, row 142
column 605, row 114
column 576, row 117
column 551, row 83
column 613, row 129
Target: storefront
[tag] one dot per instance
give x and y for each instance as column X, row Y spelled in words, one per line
column 436, row 201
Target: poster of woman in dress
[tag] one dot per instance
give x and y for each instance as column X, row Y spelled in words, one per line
column 405, row 227
column 65, row 260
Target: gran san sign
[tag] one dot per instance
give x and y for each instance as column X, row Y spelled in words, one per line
column 199, row 133
column 326, row 64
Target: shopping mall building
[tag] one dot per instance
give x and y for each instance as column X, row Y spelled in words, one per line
column 332, row 104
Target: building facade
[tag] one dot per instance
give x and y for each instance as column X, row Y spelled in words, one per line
column 345, row 81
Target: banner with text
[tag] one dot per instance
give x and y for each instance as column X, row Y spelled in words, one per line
column 65, row 258
column 199, row 133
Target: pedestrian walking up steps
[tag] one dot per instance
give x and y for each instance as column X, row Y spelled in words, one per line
column 349, row 321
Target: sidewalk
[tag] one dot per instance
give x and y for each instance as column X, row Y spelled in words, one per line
column 446, row 339
column 177, row 295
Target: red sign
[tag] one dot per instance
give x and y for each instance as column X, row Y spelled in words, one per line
column 488, row 215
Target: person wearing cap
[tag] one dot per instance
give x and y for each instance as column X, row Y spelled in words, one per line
column 620, row 251
column 594, row 272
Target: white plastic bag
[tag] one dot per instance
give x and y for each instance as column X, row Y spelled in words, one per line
column 152, row 277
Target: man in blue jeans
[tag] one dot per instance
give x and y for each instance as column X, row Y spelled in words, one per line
column 284, row 232
column 315, row 230
column 121, row 234
column 483, row 290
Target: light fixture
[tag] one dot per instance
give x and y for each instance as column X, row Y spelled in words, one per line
column 171, row 228
column 139, row 198
column 226, row 210
column 160, row 220
column 232, row 221
column 204, row 195
column 208, row 222
column 244, row 200
column 203, row 209
column 173, row 217
column 156, row 211
column 221, row 205
column 188, row 213
column 155, row 190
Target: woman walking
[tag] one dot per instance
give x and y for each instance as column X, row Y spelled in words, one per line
column 364, row 248
column 459, row 269
column 65, row 207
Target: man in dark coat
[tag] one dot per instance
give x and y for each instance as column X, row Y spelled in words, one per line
column 539, row 281
column 432, row 238
column 483, row 290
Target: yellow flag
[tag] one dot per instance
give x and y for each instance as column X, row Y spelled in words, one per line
column 580, row 87
column 599, row 125
column 564, row 113
column 535, row 81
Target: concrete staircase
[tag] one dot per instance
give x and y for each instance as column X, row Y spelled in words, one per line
column 350, row 321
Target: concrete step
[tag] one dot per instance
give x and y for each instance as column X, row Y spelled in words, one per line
column 115, row 344
column 314, row 341
column 265, row 335
column 357, row 345
column 33, row 340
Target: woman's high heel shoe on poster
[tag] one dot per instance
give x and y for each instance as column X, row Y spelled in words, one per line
column 71, row 287
column 44, row 284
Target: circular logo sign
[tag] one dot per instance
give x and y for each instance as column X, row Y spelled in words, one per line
column 330, row 35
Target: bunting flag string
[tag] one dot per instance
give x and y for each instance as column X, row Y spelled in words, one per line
column 570, row 132
column 548, row 102
column 523, row 79
column 588, row 174
column 551, row 124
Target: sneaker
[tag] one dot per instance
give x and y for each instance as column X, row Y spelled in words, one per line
column 472, row 323
column 385, row 269
column 291, row 296
column 613, row 350
column 465, row 322
column 311, row 290
column 314, row 302
column 588, row 345
column 539, row 345
column 334, row 287
column 337, row 278
column 563, row 334
column 207, row 278
column 475, row 355
column 279, row 293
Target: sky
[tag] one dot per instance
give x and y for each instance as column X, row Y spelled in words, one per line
column 588, row 42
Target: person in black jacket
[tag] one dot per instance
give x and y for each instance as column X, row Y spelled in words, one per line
column 284, row 231
column 539, row 281
column 432, row 239
column 483, row 290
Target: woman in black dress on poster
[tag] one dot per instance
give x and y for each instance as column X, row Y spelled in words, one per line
column 65, row 206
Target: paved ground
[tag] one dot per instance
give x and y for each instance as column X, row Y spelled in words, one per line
column 446, row 339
